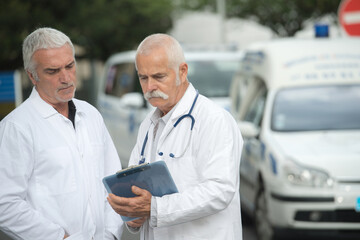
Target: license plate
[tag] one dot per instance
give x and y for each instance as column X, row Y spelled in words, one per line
column 357, row 206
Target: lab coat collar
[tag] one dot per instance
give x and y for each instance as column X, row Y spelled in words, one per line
column 181, row 108
column 157, row 115
column 184, row 105
column 45, row 109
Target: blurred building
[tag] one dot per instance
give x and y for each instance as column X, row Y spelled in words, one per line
column 210, row 29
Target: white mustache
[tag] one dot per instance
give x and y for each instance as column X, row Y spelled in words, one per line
column 154, row 94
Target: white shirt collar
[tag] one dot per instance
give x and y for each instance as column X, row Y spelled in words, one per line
column 44, row 108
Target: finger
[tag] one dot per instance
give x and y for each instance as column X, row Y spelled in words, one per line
column 139, row 191
column 140, row 220
column 133, row 224
column 113, row 197
column 113, row 205
column 116, row 199
column 116, row 206
column 137, row 222
column 136, row 190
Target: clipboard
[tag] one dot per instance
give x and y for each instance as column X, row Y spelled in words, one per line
column 154, row 177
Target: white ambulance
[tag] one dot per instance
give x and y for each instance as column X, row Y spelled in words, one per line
column 297, row 103
column 120, row 99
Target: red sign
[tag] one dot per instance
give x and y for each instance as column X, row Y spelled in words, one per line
column 349, row 16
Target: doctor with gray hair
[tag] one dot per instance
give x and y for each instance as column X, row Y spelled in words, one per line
column 54, row 151
column 201, row 145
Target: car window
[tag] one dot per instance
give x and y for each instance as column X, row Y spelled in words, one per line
column 317, row 108
column 212, row 78
column 256, row 109
column 122, row 79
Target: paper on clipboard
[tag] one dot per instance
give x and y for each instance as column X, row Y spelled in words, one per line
column 154, row 177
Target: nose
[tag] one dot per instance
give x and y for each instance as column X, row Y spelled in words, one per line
column 151, row 85
column 64, row 76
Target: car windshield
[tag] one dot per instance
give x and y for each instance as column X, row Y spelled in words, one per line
column 212, row 78
column 317, row 108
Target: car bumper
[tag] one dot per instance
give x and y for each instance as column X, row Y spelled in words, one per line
column 311, row 212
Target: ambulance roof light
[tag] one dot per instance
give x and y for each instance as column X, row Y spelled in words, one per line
column 321, row 30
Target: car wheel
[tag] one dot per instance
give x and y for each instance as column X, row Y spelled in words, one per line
column 264, row 230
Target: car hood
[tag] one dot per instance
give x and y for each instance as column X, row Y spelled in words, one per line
column 337, row 152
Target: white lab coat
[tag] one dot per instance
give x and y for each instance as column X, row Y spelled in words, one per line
column 50, row 174
column 207, row 176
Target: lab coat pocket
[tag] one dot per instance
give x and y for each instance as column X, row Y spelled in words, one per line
column 55, row 171
column 183, row 172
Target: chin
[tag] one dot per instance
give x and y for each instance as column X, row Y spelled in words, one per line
column 65, row 98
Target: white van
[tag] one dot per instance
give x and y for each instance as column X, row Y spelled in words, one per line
column 297, row 103
column 120, row 99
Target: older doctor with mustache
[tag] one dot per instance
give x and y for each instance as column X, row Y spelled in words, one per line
column 202, row 152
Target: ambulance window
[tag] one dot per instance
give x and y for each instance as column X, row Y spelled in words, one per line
column 121, row 79
column 315, row 108
column 212, row 77
column 256, row 109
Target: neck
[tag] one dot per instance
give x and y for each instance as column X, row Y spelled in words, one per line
column 62, row 108
column 180, row 93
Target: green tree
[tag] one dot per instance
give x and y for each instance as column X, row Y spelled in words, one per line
column 101, row 27
column 284, row 17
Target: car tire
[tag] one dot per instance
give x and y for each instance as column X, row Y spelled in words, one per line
column 263, row 227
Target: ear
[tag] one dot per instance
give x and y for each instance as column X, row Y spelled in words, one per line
column 32, row 78
column 183, row 71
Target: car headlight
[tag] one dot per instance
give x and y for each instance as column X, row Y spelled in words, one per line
column 306, row 176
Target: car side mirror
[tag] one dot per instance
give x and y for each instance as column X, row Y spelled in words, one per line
column 133, row 100
column 248, row 129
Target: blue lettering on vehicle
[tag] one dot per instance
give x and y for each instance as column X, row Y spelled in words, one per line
column 263, row 148
column 273, row 164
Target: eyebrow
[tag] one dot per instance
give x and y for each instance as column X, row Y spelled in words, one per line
column 71, row 63
column 141, row 75
column 56, row 69
column 51, row 69
column 158, row 74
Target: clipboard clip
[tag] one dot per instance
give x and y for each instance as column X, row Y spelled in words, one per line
column 131, row 167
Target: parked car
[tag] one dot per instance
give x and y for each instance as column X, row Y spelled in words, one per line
column 297, row 103
column 123, row 107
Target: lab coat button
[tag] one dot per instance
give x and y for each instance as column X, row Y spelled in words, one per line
column 161, row 153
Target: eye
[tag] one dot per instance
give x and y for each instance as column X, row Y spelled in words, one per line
column 143, row 78
column 52, row 71
column 70, row 66
column 159, row 77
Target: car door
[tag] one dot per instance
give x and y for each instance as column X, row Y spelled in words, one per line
column 253, row 150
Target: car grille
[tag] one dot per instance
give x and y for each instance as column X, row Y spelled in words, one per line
column 345, row 216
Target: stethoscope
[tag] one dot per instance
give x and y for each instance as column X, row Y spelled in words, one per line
column 142, row 158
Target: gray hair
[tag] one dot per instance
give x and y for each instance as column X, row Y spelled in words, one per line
column 42, row 38
column 172, row 48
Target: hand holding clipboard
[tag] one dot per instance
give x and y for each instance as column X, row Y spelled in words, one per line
column 153, row 177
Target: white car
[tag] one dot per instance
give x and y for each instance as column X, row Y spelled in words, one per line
column 297, row 103
column 120, row 99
